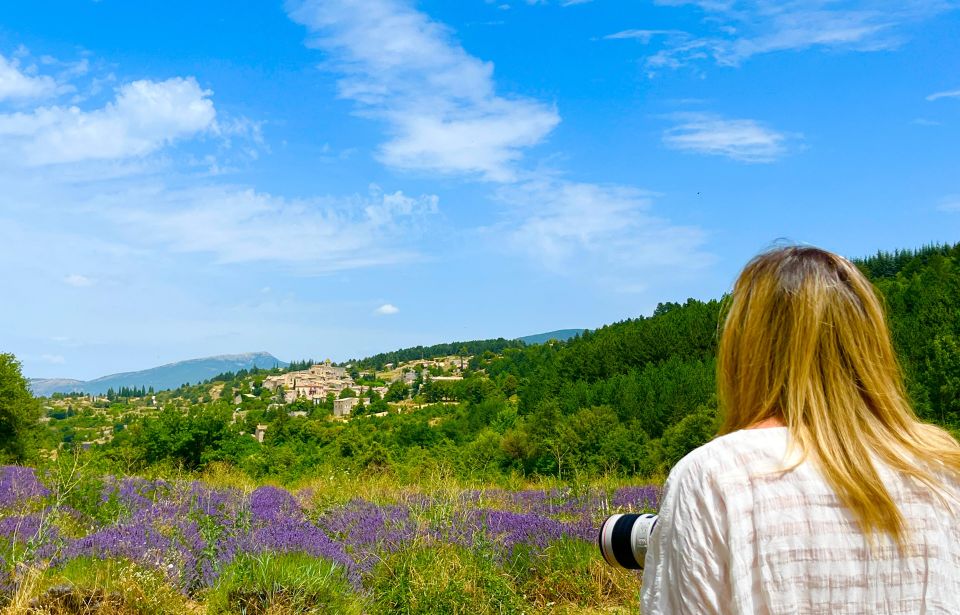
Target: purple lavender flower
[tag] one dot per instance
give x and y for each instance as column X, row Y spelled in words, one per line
column 18, row 486
column 368, row 531
column 272, row 504
column 637, row 498
column 21, row 528
column 139, row 542
column 191, row 531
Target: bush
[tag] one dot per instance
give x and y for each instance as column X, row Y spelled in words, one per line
column 571, row 572
column 283, row 583
column 444, row 579
column 105, row 587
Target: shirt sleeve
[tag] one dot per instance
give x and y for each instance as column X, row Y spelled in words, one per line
column 686, row 567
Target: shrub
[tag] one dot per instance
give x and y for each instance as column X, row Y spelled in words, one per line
column 283, row 583
column 102, row 586
column 444, row 579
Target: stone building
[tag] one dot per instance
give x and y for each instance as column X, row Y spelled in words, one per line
column 314, row 383
column 343, row 407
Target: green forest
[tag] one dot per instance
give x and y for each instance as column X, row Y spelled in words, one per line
column 628, row 399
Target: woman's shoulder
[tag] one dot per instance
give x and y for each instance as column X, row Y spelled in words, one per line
column 736, row 452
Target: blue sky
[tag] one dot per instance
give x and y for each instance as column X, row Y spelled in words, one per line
column 327, row 178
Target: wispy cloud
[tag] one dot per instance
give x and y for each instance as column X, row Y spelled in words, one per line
column 735, row 30
column 143, row 117
column 77, row 280
column 644, row 36
column 443, row 114
column 946, row 94
column 439, row 103
column 608, row 231
column 951, row 203
column 744, row 140
column 241, row 225
column 97, row 166
column 15, row 84
column 387, row 309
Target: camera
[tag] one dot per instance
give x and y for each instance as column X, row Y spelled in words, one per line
column 624, row 538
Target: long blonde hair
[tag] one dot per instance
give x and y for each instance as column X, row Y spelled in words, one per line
column 805, row 340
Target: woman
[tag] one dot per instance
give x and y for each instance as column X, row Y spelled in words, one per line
column 824, row 493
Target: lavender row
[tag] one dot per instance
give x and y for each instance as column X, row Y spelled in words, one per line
column 190, row 531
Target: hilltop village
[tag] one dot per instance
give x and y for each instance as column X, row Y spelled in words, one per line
column 338, row 391
column 318, row 382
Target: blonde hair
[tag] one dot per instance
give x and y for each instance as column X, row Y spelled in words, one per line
column 805, row 340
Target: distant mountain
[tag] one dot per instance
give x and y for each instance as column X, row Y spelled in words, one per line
column 168, row 376
column 47, row 386
column 561, row 335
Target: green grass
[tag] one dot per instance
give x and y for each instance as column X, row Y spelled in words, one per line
column 570, row 573
column 444, row 579
column 283, row 583
column 104, row 587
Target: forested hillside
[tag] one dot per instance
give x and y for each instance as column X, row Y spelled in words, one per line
column 378, row 361
column 627, row 399
column 922, row 290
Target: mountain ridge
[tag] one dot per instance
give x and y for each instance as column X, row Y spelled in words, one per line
column 560, row 335
column 161, row 377
column 172, row 375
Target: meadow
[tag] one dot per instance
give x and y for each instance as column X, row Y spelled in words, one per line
column 72, row 541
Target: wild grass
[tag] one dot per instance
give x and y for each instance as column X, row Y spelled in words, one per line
column 283, row 583
column 431, row 566
column 101, row 587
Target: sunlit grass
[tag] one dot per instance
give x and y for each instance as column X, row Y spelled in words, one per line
column 445, row 545
column 101, row 586
column 282, row 583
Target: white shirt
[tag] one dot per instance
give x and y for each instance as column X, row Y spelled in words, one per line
column 734, row 536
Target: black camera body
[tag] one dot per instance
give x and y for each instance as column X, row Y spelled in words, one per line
column 624, row 538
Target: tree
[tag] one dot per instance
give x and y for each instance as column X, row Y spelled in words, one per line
column 397, row 391
column 19, row 413
column 510, row 385
column 192, row 438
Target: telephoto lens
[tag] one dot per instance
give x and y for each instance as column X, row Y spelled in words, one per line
column 624, row 538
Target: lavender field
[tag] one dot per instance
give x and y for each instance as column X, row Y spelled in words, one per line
column 76, row 543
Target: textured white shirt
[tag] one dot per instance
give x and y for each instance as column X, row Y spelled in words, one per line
column 735, row 536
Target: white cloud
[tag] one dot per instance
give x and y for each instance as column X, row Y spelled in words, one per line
column 644, row 36
column 143, row 117
column 77, row 280
column 15, row 84
column 947, row 94
column 604, row 231
column 240, row 225
column 736, row 30
column 561, row 2
column 439, row 102
column 53, row 358
column 740, row 139
column 443, row 114
column 387, row 309
column 950, row 203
